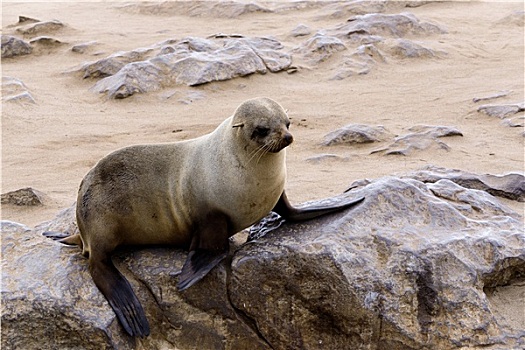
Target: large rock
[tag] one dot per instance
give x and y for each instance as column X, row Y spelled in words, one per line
column 13, row 46
column 191, row 61
column 409, row 268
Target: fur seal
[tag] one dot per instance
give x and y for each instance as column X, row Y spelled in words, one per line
column 193, row 194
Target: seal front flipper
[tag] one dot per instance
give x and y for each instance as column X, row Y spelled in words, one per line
column 208, row 248
column 120, row 296
column 290, row 213
column 197, row 265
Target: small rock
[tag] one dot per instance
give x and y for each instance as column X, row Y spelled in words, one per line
column 45, row 41
column 13, row 46
column 503, row 110
column 23, row 197
column 301, row 30
column 41, row 28
column 404, row 48
column 326, row 157
column 24, row 97
column 84, row 47
column 492, row 97
column 355, row 134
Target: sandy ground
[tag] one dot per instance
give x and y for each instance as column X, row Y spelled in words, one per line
column 50, row 145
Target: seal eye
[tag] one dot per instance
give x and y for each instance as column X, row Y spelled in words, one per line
column 261, row 131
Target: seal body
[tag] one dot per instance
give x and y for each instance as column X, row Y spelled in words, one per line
column 193, row 194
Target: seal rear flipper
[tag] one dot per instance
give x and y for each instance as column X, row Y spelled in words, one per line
column 197, row 265
column 288, row 212
column 121, row 298
column 64, row 237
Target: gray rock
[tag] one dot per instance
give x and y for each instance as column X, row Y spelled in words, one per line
column 511, row 186
column 84, row 47
column 492, row 97
column 13, row 46
column 404, row 48
column 423, row 137
column 191, row 61
column 112, row 64
column 41, row 28
column 14, row 90
column 502, row 110
column 355, row 134
column 23, row 197
column 386, row 25
column 359, row 62
column 326, row 157
column 214, row 9
column 301, row 30
column 406, row 269
column 46, row 41
column 319, row 48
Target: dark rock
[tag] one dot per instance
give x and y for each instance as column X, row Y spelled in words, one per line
column 511, row 186
column 355, row 134
column 25, row 196
column 13, row 46
column 41, row 28
column 502, row 110
column 422, row 137
column 407, row 269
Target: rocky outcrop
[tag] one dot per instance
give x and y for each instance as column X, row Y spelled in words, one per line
column 190, row 61
column 409, row 268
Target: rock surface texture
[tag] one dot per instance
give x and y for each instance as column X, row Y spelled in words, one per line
column 412, row 267
column 190, row 61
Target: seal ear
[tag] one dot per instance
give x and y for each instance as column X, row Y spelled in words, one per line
column 239, row 125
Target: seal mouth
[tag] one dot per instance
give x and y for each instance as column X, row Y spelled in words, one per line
column 277, row 146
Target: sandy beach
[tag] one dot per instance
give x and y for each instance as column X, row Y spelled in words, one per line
column 49, row 145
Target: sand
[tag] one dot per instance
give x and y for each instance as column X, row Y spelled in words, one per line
column 50, row 145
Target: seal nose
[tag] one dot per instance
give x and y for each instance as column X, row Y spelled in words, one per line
column 288, row 138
